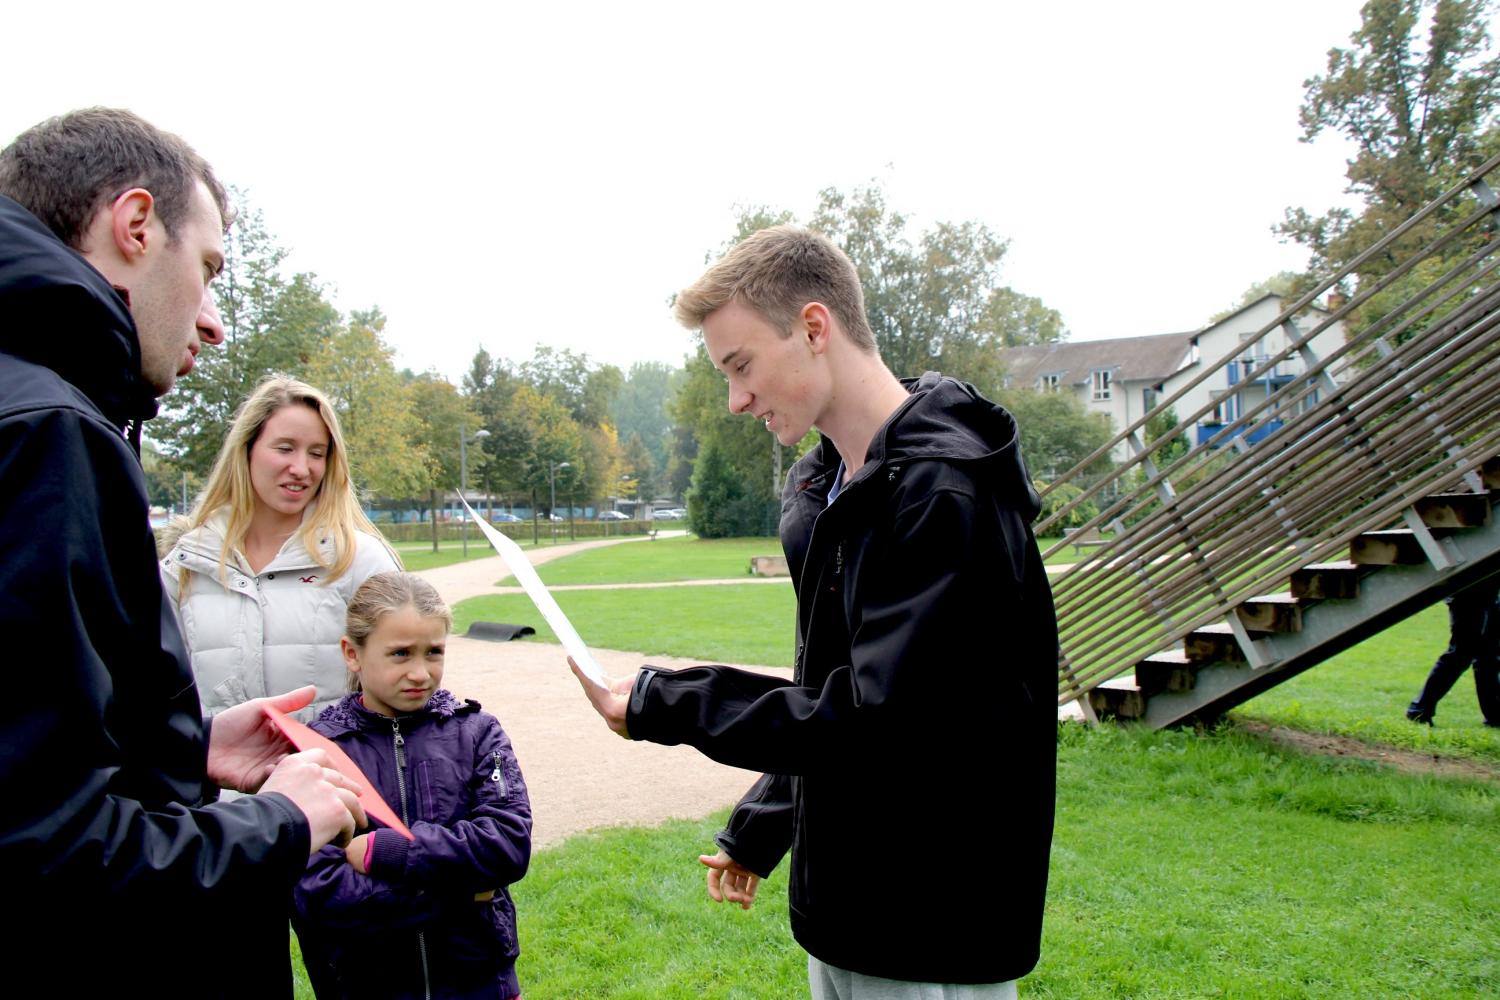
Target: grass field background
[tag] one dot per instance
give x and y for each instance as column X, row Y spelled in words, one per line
column 1185, row 864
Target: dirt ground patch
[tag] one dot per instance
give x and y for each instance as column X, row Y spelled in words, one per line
column 579, row 774
column 1410, row 761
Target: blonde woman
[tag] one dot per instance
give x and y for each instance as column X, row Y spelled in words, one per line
column 264, row 566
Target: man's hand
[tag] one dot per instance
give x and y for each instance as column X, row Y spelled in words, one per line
column 329, row 800
column 611, row 704
column 729, row 881
column 243, row 745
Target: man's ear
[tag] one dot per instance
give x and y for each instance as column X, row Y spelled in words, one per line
column 817, row 326
column 130, row 229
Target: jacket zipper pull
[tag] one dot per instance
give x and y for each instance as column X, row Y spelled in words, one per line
column 495, row 775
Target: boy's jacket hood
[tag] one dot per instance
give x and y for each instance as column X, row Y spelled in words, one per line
column 945, row 420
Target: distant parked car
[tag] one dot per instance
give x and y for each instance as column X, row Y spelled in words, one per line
column 667, row 514
column 556, row 517
column 613, row 515
column 501, row 517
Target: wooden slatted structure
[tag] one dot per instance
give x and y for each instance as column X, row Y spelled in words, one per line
column 1363, row 440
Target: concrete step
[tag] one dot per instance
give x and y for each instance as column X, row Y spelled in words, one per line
column 1396, row 547
column 1337, row 581
column 1271, row 613
column 1169, row 670
column 1454, row 510
column 1212, row 643
column 1490, row 473
column 1119, row 698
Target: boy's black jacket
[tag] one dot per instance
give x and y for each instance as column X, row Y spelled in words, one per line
column 910, row 763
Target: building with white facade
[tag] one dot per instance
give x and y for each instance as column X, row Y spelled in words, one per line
column 1125, row 377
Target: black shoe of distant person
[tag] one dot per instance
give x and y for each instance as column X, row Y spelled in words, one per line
column 1419, row 716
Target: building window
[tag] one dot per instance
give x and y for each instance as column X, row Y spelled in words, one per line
column 1047, row 383
column 1101, row 384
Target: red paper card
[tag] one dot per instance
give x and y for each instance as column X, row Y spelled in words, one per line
column 304, row 738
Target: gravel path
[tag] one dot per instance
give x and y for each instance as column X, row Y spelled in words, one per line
column 579, row 774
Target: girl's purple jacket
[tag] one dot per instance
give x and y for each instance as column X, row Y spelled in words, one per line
column 413, row 926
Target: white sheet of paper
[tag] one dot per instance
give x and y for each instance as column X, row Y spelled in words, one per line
column 521, row 568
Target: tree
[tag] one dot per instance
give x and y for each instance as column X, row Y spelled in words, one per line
column 1016, row 320
column 1287, row 284
column 936, row 304
column 545, row 435
column 720, row 504
column 374, row 409
column 441, row 414
column 638, row 478
column 1420, row 114
column 271, row 324
column 1057, row 432
column 640, row 408
column 587, row 391
column 742, row 443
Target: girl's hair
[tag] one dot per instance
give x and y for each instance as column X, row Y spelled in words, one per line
column 382, row 594
column 335, row 510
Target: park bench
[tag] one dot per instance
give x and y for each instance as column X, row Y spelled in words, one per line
column 1087, row 538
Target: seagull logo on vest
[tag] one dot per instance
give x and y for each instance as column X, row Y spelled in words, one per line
column 307, row 579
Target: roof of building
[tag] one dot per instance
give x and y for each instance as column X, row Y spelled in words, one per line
column 1129, row 359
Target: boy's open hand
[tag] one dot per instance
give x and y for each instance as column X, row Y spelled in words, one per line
column 729, row 881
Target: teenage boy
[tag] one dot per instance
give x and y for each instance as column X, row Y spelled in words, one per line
column 910, row 761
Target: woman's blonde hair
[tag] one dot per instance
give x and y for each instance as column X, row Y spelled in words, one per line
column 383, row 593
column 336, row 512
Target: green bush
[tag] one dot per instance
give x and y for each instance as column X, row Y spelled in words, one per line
column 719, row 503
column 1061, row 495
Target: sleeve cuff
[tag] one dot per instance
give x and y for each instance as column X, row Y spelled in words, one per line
column 637, row 706
column 386, row 854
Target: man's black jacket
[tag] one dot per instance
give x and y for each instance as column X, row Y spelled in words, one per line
column 118, row 871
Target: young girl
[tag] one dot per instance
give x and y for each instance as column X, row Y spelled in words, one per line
column 429, row 917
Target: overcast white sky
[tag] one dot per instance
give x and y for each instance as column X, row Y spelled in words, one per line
column 506, row 174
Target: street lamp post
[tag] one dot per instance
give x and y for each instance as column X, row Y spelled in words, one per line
column 463, row 475
column 552, row 468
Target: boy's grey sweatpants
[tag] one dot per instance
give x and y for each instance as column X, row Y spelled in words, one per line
column 828, row 982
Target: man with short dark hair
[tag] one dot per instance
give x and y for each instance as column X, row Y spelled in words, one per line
column 110, row 232
column 910, row 762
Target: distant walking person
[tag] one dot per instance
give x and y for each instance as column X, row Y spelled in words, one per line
column 1474, row 625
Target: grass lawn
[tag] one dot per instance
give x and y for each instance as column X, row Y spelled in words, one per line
column 734, row 623
column 1185, row 864
column 1068, row 554
column 1363, row 693
column 662, row 560
column 418, row 556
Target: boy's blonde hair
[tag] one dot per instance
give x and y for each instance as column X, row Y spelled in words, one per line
column 776, row 272
column 382, row 594
column 336, row 513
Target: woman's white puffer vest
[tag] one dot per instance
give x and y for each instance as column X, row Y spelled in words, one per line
column 257, row 634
